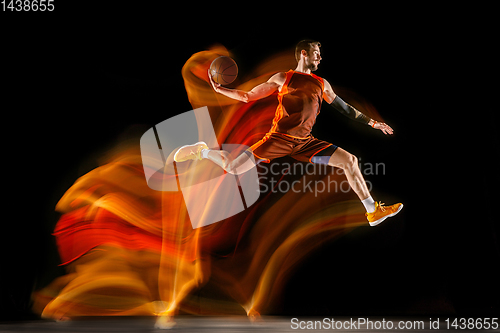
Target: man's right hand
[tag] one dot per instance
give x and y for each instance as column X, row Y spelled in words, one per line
column 214, row 84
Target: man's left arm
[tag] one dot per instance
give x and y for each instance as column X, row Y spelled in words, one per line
column 351, row 112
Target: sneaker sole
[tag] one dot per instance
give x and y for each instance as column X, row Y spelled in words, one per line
column 178, row 150
column 375, row 223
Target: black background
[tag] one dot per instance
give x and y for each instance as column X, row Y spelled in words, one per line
column 80, row 79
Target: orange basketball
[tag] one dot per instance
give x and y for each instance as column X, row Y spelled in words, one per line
column 223, row 70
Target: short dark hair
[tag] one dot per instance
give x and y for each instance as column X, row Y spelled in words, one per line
column 305, row 44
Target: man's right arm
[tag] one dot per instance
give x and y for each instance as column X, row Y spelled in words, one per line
column 260, row 91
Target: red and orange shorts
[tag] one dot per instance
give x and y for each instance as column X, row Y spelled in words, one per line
column 277, row 145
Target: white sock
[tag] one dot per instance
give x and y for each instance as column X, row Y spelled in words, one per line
column 369, row 204
column 204, row 153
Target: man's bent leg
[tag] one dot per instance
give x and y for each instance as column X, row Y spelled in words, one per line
column 376, row 212
column 349, row 163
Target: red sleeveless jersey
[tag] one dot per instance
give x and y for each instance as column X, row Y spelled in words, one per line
column 300, row 101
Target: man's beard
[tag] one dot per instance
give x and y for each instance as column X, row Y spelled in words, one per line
column 311, row 66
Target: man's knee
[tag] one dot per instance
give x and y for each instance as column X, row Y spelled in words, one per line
column 240, row 164
column 353, row 160
column 349, row 163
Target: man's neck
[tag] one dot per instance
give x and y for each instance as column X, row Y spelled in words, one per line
column 302, row 68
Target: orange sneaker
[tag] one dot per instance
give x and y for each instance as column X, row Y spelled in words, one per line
column 190, row 152
column 382, row 212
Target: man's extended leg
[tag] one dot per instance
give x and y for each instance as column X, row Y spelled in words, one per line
column 233, row 165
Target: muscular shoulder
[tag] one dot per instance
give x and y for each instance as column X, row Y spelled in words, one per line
column 278, row 78
column 326, row 85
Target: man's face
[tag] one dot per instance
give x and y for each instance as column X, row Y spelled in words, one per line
column 313, row 58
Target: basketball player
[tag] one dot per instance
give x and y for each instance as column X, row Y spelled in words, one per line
column 300, row 95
